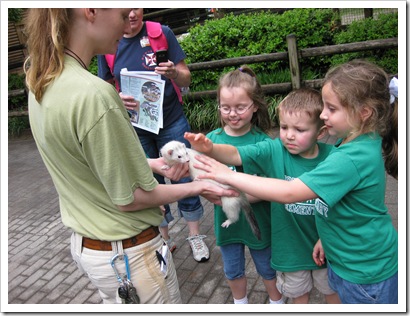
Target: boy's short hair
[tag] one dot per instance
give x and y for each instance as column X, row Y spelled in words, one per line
column 303, row 100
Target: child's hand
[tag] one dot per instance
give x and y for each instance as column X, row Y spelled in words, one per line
column 214, row 169
column 199, row 142
column 318, row 254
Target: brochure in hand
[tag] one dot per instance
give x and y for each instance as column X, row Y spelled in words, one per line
column 147, row 88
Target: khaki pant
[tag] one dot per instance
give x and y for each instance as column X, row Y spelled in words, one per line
column 295, row 284
column 152, row 285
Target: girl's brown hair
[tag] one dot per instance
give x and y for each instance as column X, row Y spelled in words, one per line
column 47, row 32
column 360, row 84
column 245, row 78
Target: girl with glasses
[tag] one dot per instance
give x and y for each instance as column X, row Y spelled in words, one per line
column 244, row 117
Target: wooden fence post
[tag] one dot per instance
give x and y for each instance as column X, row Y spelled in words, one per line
column 368, row 13
column 293, row 61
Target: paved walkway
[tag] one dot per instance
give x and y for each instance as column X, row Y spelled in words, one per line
column 40, row 268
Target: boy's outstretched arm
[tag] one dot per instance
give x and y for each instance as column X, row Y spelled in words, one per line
column 267, row 189
column 226, row 154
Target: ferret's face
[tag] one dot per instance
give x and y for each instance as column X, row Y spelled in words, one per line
column 181, row 158
column 179, row 155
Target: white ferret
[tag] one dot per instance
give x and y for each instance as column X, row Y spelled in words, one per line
column 175, row 151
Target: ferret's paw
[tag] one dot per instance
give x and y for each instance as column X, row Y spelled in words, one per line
column 226, row 223
column 165, row 167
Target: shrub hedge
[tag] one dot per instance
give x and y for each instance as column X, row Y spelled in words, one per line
column 254, row 34
column 265, row 32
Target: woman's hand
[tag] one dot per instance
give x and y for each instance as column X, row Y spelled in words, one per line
column 168, row 70
column 175, row 173
column 318, row 254
column 213, row 192
column 199, row 142
column 129, row 102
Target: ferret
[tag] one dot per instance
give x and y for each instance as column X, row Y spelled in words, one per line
column 176, row 152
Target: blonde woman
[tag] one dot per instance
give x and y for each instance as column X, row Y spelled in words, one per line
column 108, row 194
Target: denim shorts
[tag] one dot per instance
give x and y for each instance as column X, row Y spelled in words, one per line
column 385, row 292
column 189, row 216
column 233, row 257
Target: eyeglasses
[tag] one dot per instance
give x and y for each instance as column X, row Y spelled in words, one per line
column 238, row 110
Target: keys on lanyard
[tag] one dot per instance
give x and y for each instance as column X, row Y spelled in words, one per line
column 126, row 290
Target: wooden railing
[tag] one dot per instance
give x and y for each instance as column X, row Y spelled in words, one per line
column 294, row 56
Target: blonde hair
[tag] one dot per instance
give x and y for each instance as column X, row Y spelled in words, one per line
column 304, row 100
column 47, row 32
column 245, row 78
column 360, row 84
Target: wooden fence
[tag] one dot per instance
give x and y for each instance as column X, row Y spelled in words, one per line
column 293, row 55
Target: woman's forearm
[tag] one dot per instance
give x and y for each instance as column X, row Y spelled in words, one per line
column 169, row 193
column 161, row 195
column 182, row 75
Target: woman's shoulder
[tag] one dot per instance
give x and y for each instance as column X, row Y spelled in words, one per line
column 95, row 90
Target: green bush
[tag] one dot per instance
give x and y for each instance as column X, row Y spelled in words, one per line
column 255, row 34
column 93, row 68
column 17, row 125
column 385, row 26
column 15, row 82
column 265, row 32
column 15, row 15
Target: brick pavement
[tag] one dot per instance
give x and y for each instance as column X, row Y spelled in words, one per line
column 40, row 268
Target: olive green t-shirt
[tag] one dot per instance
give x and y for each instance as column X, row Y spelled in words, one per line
column 93, row 155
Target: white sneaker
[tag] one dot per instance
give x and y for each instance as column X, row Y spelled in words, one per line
column 199, row 249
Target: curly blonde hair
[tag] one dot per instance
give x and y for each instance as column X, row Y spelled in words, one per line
column 359, row 84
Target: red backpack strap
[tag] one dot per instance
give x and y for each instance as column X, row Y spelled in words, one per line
column 110, row 62
column 158, row 41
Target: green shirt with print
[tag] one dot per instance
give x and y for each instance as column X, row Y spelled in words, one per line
column 353, row 221
column 293, row 228
column 240, row 232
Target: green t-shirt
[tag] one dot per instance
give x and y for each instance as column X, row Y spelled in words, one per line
column 240, row 232
column 293, row 227
column 354, row 225
column 93, row 154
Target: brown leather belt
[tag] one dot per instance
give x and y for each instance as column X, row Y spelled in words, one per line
column 143, row 237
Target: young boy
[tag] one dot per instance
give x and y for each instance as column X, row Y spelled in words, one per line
column 293, row 228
